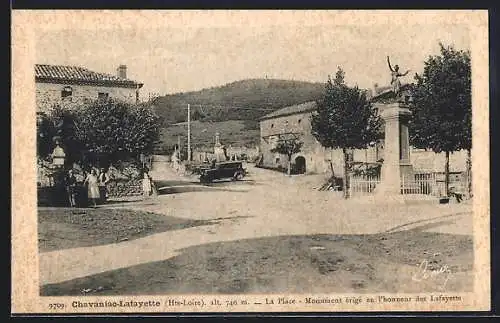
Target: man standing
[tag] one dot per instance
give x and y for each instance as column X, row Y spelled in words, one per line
column 103, row 180
column 71, row 188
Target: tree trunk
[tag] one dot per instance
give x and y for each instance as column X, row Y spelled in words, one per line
column 331, row 167
column 346, row 185
column 447, row 173
column 289, row 172
column 469, row 173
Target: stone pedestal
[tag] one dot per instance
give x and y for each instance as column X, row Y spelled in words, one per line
column 219, row 150
column 396, row 150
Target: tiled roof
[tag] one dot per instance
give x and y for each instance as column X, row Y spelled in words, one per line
column 294, row 109
column 76, row 74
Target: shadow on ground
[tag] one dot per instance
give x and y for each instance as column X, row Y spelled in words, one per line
column 294, row 264
column 173, row 187
column 64, row 228
column 114, row 202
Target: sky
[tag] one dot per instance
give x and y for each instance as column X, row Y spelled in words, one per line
column 172, row 59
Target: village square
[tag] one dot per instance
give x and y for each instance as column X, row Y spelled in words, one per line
column 262, row 185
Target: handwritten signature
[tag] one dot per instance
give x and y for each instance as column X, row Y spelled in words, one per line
column 426, row 272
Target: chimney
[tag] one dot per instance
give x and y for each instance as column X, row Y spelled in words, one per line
column 121, row 71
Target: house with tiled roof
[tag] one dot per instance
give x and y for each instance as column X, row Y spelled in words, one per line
column 73, row 85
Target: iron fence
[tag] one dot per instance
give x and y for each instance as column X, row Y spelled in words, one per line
column 424, row 183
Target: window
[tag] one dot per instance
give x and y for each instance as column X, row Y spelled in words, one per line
column 300, row 120
column 102, row 96
column 272, row 125
column 67, row 91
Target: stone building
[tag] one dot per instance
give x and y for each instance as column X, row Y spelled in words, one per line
column 295, row 121
column 73, row 85
column 314, row 158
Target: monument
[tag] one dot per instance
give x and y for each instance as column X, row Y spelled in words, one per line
column 392, row 105
column 58, row 154
column 219, row 149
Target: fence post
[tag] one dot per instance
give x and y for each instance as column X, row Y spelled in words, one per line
column 349, row 188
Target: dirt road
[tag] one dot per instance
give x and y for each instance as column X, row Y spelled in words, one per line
column 270, row 215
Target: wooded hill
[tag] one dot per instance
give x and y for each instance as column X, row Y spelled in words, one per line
column 245, row 100
column 241, row 100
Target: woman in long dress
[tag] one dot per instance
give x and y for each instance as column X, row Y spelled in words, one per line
column 93, row 187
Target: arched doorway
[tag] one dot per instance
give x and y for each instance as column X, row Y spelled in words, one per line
column 300, row 165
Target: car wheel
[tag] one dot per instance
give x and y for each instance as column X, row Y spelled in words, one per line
column 238, row 176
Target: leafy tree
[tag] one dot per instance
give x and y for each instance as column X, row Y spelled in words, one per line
column 196, row 115
column 345, row 119
column 117, row 130
column 45, row 130
column 59, row 124
column 288, row 147
column 64, row 121
column 441, row 107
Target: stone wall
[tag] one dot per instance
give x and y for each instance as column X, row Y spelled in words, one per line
column 429, row 161
column 49, row 94
column 122, row 188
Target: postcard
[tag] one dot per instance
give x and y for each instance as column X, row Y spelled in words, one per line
column 169, row 161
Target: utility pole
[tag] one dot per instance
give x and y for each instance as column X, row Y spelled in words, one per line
column 189, row 133
column 178, row 148
column 137, row 94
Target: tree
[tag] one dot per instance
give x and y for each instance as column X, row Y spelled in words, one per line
column 45, row 132
column 441, row 107
column 117, row 130
column 64, row 120
column 345, row 119
column 288, row 147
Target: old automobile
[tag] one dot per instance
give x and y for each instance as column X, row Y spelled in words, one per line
column 223, row 170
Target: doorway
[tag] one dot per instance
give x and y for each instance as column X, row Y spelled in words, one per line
column 300, row 165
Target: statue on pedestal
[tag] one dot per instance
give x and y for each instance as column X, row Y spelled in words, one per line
column 58, row 154
column 395, row 75
column 220, row 151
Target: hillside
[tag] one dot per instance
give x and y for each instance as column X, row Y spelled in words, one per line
column 241, row 100
column 245, row 101
column 232, row 132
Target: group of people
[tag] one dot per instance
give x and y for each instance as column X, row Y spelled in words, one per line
column 95, row 182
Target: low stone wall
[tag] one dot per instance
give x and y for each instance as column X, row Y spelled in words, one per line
column 122, row 188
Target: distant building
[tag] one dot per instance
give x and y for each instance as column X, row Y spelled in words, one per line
column 71, row 85
column 295, row 121
column 314, row 158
